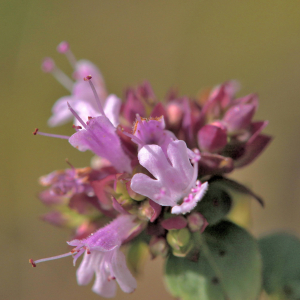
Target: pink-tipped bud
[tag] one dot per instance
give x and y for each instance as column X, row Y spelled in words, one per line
column 63, row 47
column 175, row 114
column 212, row 138
column 48, row 65
column 239, row 117
column 196, row 222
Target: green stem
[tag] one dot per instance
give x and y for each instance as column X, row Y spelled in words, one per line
column 212, row 263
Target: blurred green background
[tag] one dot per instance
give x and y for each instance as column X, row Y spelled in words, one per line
column 188, row 44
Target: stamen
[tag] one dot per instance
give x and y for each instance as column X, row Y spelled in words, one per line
column 36, row 131
column 64, row 48
column 34, row 262
column 88, row 78
column 134, row 138
column 67, row 161
column 48, row 66
column 76, row 115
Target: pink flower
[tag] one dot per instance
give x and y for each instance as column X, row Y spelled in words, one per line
column 175, row 177
column 103, row 257
column 99, row 136
column 82, row 97
column 151, row 132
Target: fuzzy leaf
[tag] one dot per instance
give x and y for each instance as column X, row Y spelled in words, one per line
column 232, row 253
column 281, row 265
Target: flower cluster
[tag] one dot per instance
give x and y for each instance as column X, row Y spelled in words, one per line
column 153, row 165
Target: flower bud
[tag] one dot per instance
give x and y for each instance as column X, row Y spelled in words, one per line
column 196, row 222
column 158, row 246
column 239, row 117
column 212, row 138
column 179, row 240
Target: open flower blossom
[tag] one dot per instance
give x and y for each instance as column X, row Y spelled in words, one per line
column 153, row 165
column 175, row 178
column 103, row 257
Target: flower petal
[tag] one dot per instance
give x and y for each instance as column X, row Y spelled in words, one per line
column 101, row 138
column 123, row 276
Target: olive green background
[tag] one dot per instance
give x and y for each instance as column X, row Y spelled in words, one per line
column 189, row 44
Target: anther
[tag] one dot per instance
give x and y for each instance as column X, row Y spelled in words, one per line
column 76, row 127
column 32, row 262
column 87, row 78
column 35, row 131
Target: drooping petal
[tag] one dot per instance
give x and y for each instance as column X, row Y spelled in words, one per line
column 123, row 276
column 104, row 284
column 100, row 137
column 86, row 269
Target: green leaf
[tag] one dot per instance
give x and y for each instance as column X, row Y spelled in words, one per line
column 281, row 265
column 228, row 268
column 215, row 205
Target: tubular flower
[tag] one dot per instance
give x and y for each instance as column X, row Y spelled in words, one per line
column 103, row 257
column 157, row 176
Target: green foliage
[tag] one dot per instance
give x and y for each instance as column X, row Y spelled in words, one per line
column 228, row 267
column 215, row 205
column 281, row 265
